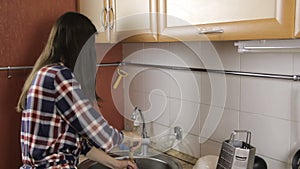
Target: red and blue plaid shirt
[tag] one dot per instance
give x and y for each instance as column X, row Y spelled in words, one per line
column 59, row 123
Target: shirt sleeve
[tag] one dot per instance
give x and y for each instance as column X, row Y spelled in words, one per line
column 79, row 113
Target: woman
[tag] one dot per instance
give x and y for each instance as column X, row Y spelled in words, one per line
column 58, row 120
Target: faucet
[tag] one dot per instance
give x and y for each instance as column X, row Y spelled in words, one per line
column 138, row 112
column 145, row 138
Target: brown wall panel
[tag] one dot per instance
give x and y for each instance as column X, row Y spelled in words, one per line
column 24, row 29
column 111, row 105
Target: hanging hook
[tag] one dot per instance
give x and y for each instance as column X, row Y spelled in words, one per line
column 9, row 76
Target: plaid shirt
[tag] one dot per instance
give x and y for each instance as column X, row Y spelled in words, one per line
column 59, row 123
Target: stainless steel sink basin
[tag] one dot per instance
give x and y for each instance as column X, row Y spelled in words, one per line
column 154, row 162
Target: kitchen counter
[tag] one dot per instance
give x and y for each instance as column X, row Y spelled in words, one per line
column 185, row 160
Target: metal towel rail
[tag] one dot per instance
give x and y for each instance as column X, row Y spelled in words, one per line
column 9, row 68
column 227, row 72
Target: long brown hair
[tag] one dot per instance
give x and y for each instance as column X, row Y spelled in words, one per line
column 67, row 37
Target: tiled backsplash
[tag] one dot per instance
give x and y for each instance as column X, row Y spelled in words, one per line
column 209, row 107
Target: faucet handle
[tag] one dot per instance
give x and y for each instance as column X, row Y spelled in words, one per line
column 178, row 132
column 135, row 114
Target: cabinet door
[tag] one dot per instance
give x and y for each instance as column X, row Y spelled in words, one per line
column 297, row 19
column 135, row 19
column 97, row 12
column 226, row 19
column 117, row 20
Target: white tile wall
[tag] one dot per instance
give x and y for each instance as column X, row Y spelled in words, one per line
column 185, row 54
column 189, row 145
column 210, row 147
column 269, row 108
column 296, row 63
column 228, row 55
column 215, row 84
column 295, row 106
column 157, row 131
column 295, row 139
column 132, row 99
column 274, row 97
column 228, row 122
column 184, row 114
column 280, row 63
column 157, row 79
column 275, row 164
column 271, row 136
column 159, row 110
column 180, row 89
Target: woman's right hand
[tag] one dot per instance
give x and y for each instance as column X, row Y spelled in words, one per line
column 126, row 164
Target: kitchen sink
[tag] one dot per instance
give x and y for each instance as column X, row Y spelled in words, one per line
column 160, row 161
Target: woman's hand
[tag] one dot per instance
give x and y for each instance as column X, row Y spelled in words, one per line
column 132, row 140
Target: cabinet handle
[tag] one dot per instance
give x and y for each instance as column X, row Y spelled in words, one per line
column 111, row 22
column 102, row 16
column 211, row 31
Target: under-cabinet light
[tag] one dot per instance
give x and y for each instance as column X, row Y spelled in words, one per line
column 268, row 46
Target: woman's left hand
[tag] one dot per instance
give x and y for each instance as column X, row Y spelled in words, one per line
column 132, row 140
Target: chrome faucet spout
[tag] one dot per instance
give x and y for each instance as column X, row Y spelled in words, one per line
column 145, row 139
column 134, row 117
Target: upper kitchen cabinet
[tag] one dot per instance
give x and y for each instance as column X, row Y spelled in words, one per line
column 226, row 19
column 297, row 20
column 97, row 12
column 116, row 20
